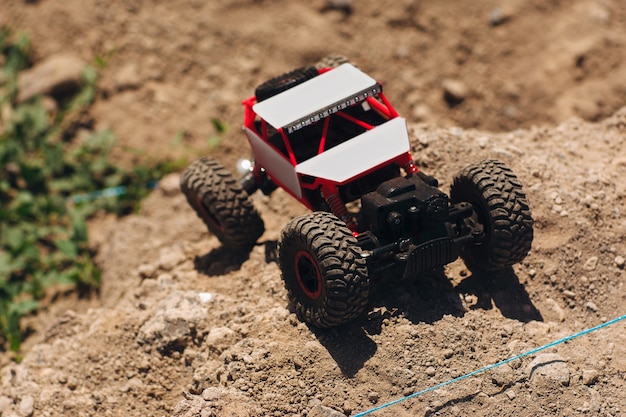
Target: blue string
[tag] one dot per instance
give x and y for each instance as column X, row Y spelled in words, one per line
column 107, row 192
column 495, row 365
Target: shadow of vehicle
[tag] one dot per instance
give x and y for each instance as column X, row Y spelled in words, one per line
column 349, row 345
column 503, row 291
column 220, row 261
column 426, row 299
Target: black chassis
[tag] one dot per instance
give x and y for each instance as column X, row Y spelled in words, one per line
column 408, row 221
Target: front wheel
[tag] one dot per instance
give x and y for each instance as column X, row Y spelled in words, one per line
column 323, row 271
column 222, row 203
column 502, row 208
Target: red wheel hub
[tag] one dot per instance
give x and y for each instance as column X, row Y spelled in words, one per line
column 308, row 275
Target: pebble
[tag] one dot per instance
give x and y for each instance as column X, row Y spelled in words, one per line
column 500, row 15
column 454, row 91
column 549, row 367
column 27, row 406
column 590, row 376
column 344, row 6
column 373, row 397
column 146, row 270
column 619, row 261
column 127, row 77
column 323, row 411
column 503, row 376
column 220, row 338
column 55, row 75
column 557, row 309
column 591, row 263
column 170, row 185
column 431, row 371
column 5, row 403
column 421, row 112
column 170, row 258
column 174, row 321
column 510, row 394
column 569, row 294
column 590, row 305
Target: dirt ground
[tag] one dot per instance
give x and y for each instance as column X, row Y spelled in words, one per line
column 183, row 328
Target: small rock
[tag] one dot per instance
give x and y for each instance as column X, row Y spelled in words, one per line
column 213, row 393
column 421, row 112
column 127, row 77
column 27, row 406
column 619, row 262
column 591, row 263
column 590, row 376
column 503, row 376
column 373, row 397
column 348, row 407
column 510, row 394
column 220, row 339
column 146, row 270
column 569, row 294
column 170, row 258
column 557, row 309
column 431, row 371
column 170, row 185
column 72, row 383
column 58, row 74
column 323, row 411
column 454, row 91
column 344, row 6
column 502, row 14
column 174, row 321
column 5, row 403
column 591, row 306
column 448, row 353
column 549, row 367
column 537, row 328
column 482, row 141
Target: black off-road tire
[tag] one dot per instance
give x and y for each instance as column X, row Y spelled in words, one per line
column 222, row 204
column 284, row 82
column 323, row 271
column 502, row 208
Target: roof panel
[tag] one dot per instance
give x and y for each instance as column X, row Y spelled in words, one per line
column 317, row 97
column 359, row 154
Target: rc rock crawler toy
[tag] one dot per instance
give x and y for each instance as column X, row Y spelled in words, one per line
column 330, row 138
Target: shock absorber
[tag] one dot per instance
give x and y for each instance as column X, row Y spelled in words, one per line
column 337, row 207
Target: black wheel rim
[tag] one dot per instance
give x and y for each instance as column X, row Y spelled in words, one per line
column 308, row 275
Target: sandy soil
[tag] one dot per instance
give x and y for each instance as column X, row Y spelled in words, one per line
column 184, row 328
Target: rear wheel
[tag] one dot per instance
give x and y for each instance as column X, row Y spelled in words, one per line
column 323, row 270
column 284, row 82
column 222, row 204
column 502, row 208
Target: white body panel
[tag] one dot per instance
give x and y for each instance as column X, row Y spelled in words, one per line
column 359, row 154
column 275, row 163
column 314, row 95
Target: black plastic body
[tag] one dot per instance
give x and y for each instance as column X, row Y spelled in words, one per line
column 410, row 221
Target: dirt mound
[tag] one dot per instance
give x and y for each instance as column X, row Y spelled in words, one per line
column 184, row 328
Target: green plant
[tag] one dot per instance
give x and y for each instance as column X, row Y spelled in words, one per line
column 220, row 129
column 44, row 169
